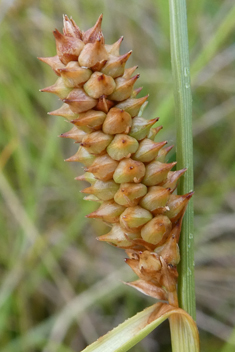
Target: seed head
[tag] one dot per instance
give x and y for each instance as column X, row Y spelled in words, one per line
column 127, row 169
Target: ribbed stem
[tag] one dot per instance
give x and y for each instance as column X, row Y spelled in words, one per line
column 184, row 148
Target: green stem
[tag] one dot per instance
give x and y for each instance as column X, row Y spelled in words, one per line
column 184, row 149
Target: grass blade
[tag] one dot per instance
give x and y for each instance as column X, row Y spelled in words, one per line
column 126, row 335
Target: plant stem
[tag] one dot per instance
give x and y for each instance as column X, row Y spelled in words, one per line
column 184, row 148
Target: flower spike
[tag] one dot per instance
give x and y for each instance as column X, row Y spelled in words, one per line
column 126, row 168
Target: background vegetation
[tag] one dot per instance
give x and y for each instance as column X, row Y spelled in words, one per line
column 60, row 288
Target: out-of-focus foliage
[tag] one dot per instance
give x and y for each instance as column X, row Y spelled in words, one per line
column 60, row 289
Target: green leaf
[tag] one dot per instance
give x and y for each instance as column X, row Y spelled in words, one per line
column 184, row 150
column 133, row 330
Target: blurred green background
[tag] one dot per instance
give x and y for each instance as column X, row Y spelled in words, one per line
column 60, row 288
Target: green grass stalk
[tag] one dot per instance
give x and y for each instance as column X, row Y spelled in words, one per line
column 184, row 147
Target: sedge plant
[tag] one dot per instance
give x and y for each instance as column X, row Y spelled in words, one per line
column 129, row 175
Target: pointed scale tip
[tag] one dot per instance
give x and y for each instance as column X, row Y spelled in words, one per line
column 92, row 215
column 69, row 159
column 156, row 119
column 119, row 41
column 168, row 149
column 45, row 90
column 101, row 239
column 189, row 194
column 85, row 190
column 57, row 34
column 113, row 49
column 52, row 113
column 94, row 33
column 126, row 56
column 70, row 28
column 173, row 164
column 136, row 91
column 80, row 178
